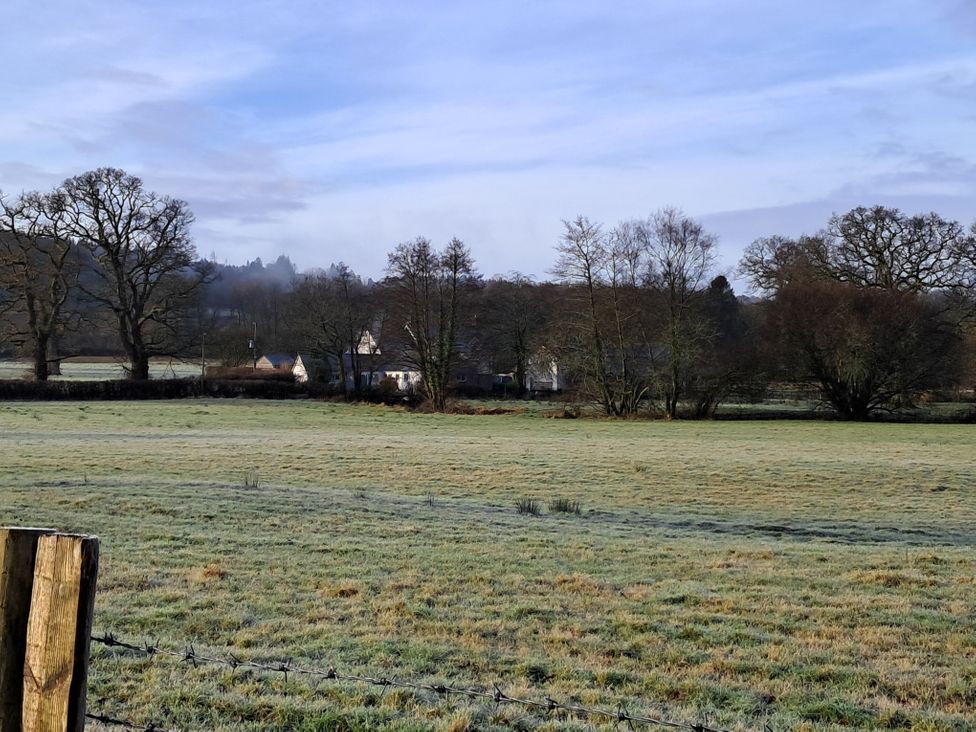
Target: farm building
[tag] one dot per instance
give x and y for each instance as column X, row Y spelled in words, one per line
column 407, row 378
column 279, row 361
column 472, row 378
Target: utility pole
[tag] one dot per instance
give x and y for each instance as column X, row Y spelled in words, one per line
column 203, row 359
column 254, row 347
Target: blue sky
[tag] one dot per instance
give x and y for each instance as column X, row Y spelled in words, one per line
column 332, row 131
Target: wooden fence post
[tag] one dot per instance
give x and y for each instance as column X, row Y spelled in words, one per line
column 59, row 633
column 18, row 548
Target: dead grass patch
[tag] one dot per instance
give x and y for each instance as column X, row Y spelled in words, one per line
column 890, row 579
column 211, row 573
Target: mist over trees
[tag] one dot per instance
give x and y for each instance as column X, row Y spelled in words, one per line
column 871, row 313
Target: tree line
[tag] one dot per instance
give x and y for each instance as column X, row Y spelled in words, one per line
column 871, row 312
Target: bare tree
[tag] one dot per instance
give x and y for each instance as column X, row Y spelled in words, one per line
column 774, row 262
column 628, row 273
column 428, row 288
column 878, row 247
column 681, row 252
column 333, row 315
column 608, row 275
column 871, row 309
column 883, row 248
column 582, row 256
column 867, row 349
column 39, row 273
column 144, row 262
column 509, row 319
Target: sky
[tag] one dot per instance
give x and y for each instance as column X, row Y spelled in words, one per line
column 331, row 131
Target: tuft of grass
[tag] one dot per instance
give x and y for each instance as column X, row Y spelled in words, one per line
column 346, row 589
column 528, row 506
column 251, row 479
column 535, row 673
column 564, row 505
column 213, row 572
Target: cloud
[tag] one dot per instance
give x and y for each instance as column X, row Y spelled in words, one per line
column 960, row 15
column 333, row 131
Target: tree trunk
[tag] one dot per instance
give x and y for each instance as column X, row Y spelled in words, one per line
column 520, row 373
column 355, row 363
column 436, row 390
column 40, row 357
column 343, row 379
column 437, row 397
column 131, row 335
column 673, row 394
column 53, row 361
column 138, row 365
column 140, row 369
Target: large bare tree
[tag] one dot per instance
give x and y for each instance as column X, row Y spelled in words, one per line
column 582, row 257
column 883, row 248
column 867, row 349
column 428, row 288
column 682, row 255
column 145, row 268
column 870, row 309
column 38, row 273
column 607, row 275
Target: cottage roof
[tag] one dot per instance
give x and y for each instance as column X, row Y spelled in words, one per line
column 278, row 360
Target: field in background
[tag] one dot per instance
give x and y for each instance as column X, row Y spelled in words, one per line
column 809, row 575
column 97, row 369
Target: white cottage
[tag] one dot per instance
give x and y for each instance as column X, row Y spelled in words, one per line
column 303, row 368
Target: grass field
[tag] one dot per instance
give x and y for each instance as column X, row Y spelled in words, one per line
column 806, row 575
column 102, row 368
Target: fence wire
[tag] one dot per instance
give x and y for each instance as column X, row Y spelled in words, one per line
column 190, row 656
column 110, row 721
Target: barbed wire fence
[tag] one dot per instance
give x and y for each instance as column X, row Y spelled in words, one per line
column 110, row 721
column 187, row 654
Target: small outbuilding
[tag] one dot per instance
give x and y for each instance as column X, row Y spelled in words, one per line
column 276, row 361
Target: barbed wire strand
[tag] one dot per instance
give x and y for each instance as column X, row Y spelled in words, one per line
column 110, row 721
column 190, row 656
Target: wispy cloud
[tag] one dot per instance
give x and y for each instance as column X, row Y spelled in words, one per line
column 332, row 131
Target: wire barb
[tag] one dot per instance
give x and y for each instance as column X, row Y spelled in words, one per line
column 110, row 721
column 190, row 656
